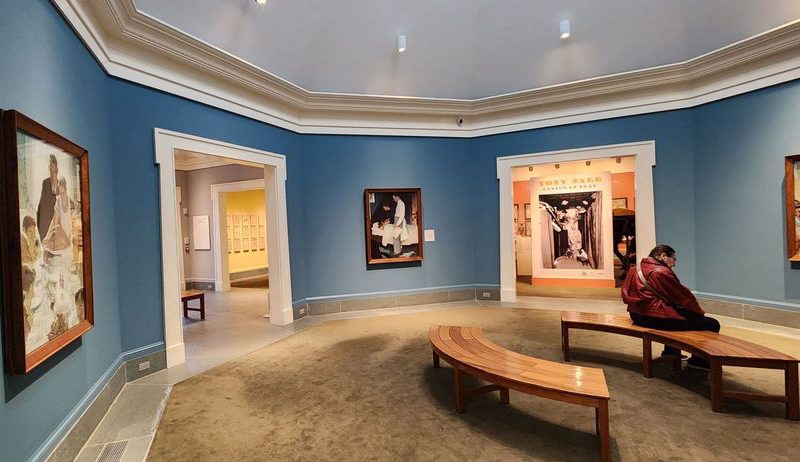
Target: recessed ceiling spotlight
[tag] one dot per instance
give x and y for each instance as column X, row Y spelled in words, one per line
column 564, row 28
column 261, row 2
column 401, row 43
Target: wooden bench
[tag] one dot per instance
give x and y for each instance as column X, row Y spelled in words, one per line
column 187, row 295
column 470, row 352
column 720, row 350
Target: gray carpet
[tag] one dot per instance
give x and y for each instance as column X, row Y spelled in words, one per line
column 365, row 389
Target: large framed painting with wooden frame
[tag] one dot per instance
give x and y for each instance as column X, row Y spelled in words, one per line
column 393, row 223
column 793, row 207
column 45, row 242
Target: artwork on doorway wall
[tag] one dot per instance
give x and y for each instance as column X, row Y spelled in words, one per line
column 619, row 203
column 393, row 225
column 245, row 233
column 792, row 181
column 573, row 226
column 45, row 240
column 516, row 213
column 254, row 233
column 237, row 233
column 527, row 211
column 262, row 233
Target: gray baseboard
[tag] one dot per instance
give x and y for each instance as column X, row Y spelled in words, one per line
column 249, row 274
column 128, row 371
column 200, row 285
column 423, row 298
column 750, row 312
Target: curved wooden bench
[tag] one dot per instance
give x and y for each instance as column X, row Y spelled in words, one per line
column 470, row 352
column 720, row 350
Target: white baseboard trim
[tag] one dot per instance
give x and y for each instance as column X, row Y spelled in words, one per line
column 66, row 425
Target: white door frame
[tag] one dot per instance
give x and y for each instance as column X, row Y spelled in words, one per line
column 645, row 160
column 222, row 277
column 179, row 231
column 280, row 293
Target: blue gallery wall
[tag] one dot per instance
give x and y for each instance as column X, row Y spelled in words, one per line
column 48, row 75
column 740, row 147
column 136, row 111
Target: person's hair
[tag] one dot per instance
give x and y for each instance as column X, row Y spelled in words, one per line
column 28, row 222
column 662, row 248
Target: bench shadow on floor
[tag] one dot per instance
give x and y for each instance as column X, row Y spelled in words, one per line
column 512, row 427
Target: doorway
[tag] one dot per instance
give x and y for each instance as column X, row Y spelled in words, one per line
column 277, row 246
column 565, row 230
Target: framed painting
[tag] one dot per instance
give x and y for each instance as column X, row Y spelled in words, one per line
column 516, row 213
column 527, row 211
column 793, row 207
column 45, row 241
column 393, row 225
column 619, row 203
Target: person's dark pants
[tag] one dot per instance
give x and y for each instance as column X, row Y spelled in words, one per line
column 692, row 322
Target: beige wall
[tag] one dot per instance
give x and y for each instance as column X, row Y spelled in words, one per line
column 246, row 203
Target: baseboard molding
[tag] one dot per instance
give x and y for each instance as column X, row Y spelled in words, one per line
column 769, row 312
column 66, row 441
column 392, row 299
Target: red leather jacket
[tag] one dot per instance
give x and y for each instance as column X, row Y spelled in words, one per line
column 671, row 293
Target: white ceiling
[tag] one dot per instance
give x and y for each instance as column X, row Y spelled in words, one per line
column 464, row 49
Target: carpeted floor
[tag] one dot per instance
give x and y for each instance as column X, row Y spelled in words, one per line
column 525, row 289
column 261, row 282
column 365, row 389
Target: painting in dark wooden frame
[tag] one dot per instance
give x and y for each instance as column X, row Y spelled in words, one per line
column 390, row 239
column 45, row 242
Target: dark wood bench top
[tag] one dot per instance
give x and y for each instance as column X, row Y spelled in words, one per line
column 191, row 294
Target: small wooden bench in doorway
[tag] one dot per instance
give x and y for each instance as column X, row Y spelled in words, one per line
column 720, row 350
column 187, row 295
column 469, row 352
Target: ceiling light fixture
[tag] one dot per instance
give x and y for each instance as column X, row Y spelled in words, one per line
column 588, row 163
column 401, row 43
column 261, row 2
column 564, row 28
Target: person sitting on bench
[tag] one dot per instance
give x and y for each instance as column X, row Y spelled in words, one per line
column 656, row 299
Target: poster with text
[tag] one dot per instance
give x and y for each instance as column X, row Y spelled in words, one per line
column 573, row 225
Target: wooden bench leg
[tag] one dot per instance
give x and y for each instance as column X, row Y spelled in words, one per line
column 504, row 396
column 460, row 390
column 601, row 426
column 647, row 357
column 436, row 364
column 565, row 341
column 677, row 365
column 791, row 390
column 717, row 398
column 203, row 307
column 185, row 308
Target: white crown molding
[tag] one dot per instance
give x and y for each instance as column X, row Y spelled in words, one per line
column 132, row 45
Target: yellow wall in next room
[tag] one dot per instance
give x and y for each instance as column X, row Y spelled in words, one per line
column 246, row 203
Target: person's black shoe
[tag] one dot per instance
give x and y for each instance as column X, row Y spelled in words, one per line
column 671, row 351
column 698, row 363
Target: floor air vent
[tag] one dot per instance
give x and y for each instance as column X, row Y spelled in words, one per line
column 112, row 452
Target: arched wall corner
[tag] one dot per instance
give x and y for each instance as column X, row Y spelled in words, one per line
column 280, row 294
column 645, row 155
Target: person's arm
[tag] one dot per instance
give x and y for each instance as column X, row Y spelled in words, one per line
column 667, row 285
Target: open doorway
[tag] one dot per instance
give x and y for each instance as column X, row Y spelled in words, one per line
column 203, row 230
column 570, row 221
column 574, row 227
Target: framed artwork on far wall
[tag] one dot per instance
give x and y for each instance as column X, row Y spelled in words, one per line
column 393, row 225
column 619, row 203
column 45, row 242
column 527, row 211
column 516, row 213
column 792, row 176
